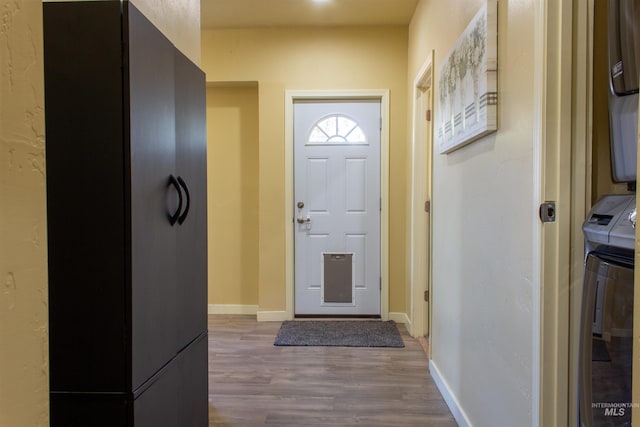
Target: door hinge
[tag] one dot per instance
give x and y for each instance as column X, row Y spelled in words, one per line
column 548, row 212
column 427, row 206
column 428, row 115
column 426, row 295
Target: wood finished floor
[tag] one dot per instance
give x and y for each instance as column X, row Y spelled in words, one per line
column 254, row 383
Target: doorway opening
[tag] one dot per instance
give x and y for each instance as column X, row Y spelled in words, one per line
column 421, row 228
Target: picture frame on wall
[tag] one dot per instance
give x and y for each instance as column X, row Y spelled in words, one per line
column 468, row 79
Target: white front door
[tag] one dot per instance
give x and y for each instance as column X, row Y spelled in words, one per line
column 337, row 207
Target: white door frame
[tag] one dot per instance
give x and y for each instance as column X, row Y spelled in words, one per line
column 294, row 95
column 562, row 126
column 581, row 178
column 421, row 155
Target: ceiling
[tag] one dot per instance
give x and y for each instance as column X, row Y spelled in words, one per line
column 217, row 14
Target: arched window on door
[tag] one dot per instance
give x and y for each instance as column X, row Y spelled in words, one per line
column 337, row 129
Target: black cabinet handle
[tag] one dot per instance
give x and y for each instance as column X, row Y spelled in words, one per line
column 173, row 218
column 186, row 209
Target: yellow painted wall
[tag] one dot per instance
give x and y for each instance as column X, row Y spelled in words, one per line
column 484, row 215
column 232, row 158
column 24, row 399
column 179, row 20
column 313, row 59
column 24, row 384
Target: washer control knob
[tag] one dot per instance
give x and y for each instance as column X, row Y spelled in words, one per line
column 632, row 217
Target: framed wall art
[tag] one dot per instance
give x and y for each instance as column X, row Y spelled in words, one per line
column 467, row 84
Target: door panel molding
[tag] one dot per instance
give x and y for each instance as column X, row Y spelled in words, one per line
column 290, row 97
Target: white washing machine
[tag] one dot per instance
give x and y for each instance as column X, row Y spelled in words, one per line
column 606, row 325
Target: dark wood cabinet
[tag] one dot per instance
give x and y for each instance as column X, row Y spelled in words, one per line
column 126, row 212
column 191, row 166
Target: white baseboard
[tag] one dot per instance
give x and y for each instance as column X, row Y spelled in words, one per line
column 400, row 318
column 232, row 309
column 449, row 397
column 281, row 316
column 272, row 316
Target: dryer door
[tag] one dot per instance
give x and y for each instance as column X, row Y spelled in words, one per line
column 606, row 343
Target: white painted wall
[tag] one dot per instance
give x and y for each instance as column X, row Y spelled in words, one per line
column 483, row 228
column 24, row 381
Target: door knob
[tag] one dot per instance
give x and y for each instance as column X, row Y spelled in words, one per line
column 302, row 220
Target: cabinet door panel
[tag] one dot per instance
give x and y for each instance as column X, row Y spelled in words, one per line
column 157, row 406
column 193, row 398
column 191, row 157
column 178, row 396
column 153, row 239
